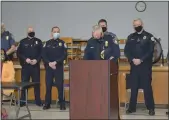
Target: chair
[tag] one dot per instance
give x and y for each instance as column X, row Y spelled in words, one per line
column 8, row 75
column 72, row 48
column 128, row 90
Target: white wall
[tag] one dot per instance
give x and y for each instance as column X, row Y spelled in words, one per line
column 77, row 18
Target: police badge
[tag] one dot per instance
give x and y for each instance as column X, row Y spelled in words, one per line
column 7, row 37
column 144, row 37
column 60, row 44
column 106, row 43
column 102, row 54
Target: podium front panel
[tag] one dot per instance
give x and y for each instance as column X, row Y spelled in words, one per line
column 89, row 89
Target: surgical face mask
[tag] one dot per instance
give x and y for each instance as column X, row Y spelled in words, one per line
column 56, row 35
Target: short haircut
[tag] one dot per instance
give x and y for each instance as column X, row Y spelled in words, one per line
column 54, row 28
column 138, row 19
column 102, row 20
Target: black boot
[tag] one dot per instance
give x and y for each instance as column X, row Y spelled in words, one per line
column 62, row 106
column 151, row 112
column 129, row 111
column 46, row 107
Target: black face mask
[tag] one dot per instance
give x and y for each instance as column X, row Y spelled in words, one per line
column 31, row 34
column 104, row 29
column 138, row 29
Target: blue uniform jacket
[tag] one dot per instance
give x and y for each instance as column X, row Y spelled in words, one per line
column 7, row 40
column 140, row 46
column 95, row 47
column 54, row 50
column 29, row 48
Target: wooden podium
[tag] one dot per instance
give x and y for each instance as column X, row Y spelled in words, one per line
column 93, row 89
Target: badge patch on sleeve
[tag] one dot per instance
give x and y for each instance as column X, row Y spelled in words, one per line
column 152, row 38
column 65, row 45
column 12, row 36
column 44, row 44
column 115, row 40
column 36, row 42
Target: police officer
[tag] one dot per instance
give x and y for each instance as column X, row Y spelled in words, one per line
column 139, row 51
column 100, row 46
column 54, row 53
column 7, row 42
column 29, row 54
column 103, row 24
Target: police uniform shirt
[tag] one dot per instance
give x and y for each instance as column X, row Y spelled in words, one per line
column 140, row 46
column 116, row 46
column 30, row 48
column 95, row 47
column 54, row 50
column 7, row 40
column 114, row 37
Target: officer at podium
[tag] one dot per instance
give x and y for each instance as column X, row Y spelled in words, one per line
column 139, row 50
column 100, row 46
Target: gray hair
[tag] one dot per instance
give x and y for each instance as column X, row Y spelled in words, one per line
column 138, row 19
column 97, row 28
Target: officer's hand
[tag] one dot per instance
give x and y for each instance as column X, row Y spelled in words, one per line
column 111, row 57
column 33, row 62
column 28, row 60
column 54, row 63
column 52, row 66
column 137, row 61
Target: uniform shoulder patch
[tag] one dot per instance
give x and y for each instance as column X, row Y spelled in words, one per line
column 65, row 45
column 44, row 45
column 115, row 40
column 152, row 39
column 12, row 36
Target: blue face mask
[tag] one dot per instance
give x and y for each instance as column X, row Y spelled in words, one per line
column 56, row 35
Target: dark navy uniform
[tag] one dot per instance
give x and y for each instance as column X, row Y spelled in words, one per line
column 7, row 41
column 115, row 40
column 95, row 47
column 54, row 50
column 30, row 48
column 140, row 46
